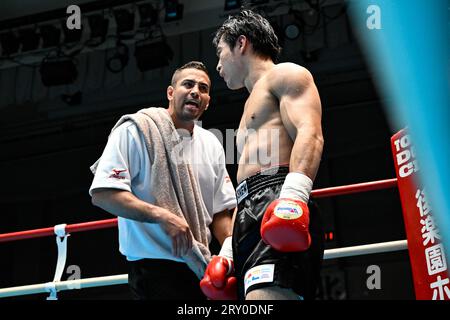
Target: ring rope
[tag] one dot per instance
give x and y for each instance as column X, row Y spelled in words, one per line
column 373, row 248
column 64, row 285
column 108, row 223
column 56, row 286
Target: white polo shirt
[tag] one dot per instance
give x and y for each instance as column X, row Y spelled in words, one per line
column 125, row 165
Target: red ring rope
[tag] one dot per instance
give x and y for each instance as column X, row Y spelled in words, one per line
column 108, row 223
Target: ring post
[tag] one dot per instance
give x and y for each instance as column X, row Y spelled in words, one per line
column 426, row 252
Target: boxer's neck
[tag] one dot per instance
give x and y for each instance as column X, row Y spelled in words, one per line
column 257, row 68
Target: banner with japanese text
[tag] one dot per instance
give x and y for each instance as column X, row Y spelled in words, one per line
column 426, row 252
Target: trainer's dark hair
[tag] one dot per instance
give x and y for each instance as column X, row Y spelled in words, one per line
column 257, row 30
column 190, row 65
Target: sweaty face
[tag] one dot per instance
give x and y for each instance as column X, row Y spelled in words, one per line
column 189, row 96
column 229, row 65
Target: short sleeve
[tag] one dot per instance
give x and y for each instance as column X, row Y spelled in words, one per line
column 119, row 163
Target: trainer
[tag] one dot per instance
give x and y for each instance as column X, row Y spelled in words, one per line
column 165, row 178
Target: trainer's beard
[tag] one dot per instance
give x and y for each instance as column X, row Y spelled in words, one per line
column 186, row 116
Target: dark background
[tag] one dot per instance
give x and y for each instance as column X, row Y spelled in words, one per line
column 47, row 144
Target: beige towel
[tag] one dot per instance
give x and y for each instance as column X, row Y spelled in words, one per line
column 173, row 184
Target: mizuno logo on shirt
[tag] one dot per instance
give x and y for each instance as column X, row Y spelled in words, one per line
column 116, row 173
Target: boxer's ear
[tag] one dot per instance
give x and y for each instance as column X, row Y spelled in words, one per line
column 242, row 43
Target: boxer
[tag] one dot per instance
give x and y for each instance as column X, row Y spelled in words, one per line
column 277, row 241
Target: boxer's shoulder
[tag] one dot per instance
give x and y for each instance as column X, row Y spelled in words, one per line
column 289, row 75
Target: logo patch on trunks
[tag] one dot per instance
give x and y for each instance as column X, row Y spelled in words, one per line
column 259, row 274
column 288, row 210
column 241, row 191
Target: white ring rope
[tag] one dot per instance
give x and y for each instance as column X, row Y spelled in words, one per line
column 366, row 249
column 123, row 278
column 65, row 285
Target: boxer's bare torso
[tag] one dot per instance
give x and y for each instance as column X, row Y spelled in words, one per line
column 264, row 138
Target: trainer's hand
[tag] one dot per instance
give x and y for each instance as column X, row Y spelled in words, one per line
column 178, row 230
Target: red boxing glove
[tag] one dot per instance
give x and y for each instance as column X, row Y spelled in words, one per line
column 285, row 225
column 218, row 282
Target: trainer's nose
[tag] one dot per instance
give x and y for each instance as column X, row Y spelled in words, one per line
column 219, row 67
column 194, row 94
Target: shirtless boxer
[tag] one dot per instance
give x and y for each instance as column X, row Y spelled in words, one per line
column 277, row 242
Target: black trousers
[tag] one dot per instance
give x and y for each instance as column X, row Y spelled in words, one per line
column 158, row 279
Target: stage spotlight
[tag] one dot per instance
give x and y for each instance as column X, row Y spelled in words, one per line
column 58, row 71
column 152, row 55
column 10, row 43
column 124, row 20
column 99, row 27
column 148, row 15
column 232, row 4
column 29, row 38
column 174, row 10
column 50, row 36
column 292, row 31
column 119, row 60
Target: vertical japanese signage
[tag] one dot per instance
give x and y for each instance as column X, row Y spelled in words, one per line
column 426, row 252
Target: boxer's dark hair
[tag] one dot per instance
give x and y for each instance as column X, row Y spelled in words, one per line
column 253, row 26
column 190, row 65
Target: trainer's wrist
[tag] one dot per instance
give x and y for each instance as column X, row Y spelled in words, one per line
column 227, row 248
column 296, row 186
